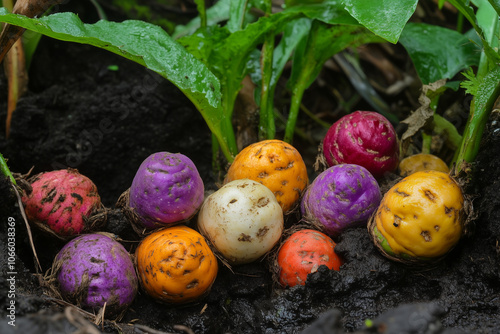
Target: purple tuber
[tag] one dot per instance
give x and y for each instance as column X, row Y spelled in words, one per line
column 340, row 197
column 94, row 269
column 167, row 189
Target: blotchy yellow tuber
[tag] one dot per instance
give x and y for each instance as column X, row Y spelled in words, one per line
column 421, row 217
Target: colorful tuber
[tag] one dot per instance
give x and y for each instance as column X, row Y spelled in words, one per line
column 62, row 202
column 277, row 165
column 94, row 270
column 167, row 189
column 420, row 219
column 303, row 253
column 176, row 265
column 421, row 162
column 364, row 138
column 342, row 196
column 242, row 220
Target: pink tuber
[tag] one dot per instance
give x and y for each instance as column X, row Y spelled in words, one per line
column 364, row 138
column 62, row 202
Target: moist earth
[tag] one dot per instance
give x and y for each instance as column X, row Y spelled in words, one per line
column 91, row 110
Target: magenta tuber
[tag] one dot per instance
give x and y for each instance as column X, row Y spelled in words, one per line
column 364, row 138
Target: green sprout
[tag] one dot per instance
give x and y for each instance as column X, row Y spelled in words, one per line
column 5, row 170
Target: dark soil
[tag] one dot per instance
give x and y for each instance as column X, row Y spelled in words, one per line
column 79, row 113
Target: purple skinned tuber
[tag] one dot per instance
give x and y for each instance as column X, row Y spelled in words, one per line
column 342, row 196
column 94, row 269
column 167, row 189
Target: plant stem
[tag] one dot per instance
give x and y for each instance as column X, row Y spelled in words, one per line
column 200, row 5
column 460, row 22
column 5, row 169
column 312, row 116
column 426, row 142
column 474, row 129
column 215, row 153
column 229, row 92
column 488, row 72
column 441, row 124
column 267, row 128
column 297, row 93
column 100, row 11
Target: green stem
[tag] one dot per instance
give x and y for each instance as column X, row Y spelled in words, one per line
column 267, row 128
column 474, row 129
column 441, row 124
column 297, row 93
column 5, row 169
column 200, row 5
column 426, row 143
column 100, row 11
column 228, row 142
column 215, row 154
column 229, row 92
column 484, row 99
column 460, row 22
column 308, row 112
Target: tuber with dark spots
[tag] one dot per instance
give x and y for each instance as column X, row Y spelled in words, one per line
column 176, row 265
column 342, row 196
column 420, row 219
column 62, row 202
column 243, row 220
column 420, row 162
column 277, row 165
column 94, row 270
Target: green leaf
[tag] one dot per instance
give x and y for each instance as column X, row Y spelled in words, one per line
column 496, row 5
column 486, row 87
column 322, row 42
column 215, row 14
column 469, row 14
column 487, row 19
column 293, row 33
column 227, row 54
column 331, row 12
column 260, row 4
column 290, row 3
column 432, row 61
column 384, row 18
column 237, row 15
column 204, row 41
column 471, row 85
column 142, row 42
column 148, row 45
